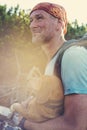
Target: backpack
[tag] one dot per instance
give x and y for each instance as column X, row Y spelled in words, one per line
column 80, row 42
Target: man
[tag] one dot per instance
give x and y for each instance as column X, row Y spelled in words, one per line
column 48, row 24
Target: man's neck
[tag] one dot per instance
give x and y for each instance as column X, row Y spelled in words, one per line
column 52, row 47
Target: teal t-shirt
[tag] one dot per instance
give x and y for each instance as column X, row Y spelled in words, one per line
column 74, row 70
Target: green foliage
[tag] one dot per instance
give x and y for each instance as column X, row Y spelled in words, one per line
column 14, row 26
column 74, row 30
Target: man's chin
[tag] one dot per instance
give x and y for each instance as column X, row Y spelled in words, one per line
column 37, row 41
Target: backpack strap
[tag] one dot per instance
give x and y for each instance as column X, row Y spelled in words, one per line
column 80, row 42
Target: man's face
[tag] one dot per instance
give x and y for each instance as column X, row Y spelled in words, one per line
column 42, row 26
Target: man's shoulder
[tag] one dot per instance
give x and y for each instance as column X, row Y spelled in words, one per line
column 75, row 55
column 73, row 44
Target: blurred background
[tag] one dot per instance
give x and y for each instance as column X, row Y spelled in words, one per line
column 17, row 54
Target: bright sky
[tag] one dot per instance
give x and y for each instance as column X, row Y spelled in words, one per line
column 76, row 9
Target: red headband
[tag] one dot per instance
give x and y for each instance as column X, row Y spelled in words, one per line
column 53, row 9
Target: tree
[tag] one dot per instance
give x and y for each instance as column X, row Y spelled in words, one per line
column 75, row 30
column 14, row 26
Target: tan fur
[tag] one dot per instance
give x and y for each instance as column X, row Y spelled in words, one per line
column 45, row 102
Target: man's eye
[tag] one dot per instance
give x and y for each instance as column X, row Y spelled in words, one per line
column 39, row 17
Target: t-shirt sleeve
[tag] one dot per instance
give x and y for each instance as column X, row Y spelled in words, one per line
column 74, row 70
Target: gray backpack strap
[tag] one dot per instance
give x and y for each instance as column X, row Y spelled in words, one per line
column 80, row 42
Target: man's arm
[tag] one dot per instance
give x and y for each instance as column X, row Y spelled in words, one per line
column 74, row 118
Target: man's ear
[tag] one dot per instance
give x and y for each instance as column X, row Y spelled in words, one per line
column 61, row 24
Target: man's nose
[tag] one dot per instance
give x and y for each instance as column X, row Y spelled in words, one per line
column 33, row 24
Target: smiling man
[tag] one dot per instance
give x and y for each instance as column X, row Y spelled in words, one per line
column 48, row 25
